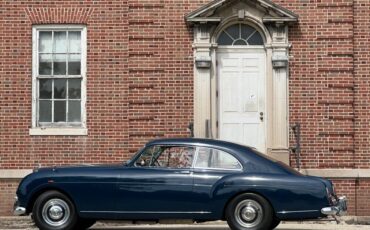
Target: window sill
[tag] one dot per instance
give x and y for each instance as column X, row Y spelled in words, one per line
column 58, row 131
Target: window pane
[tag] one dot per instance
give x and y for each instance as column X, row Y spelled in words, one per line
column 203, row 160
column 60, row 88
column 60, row 42
column 45, row 42
column 74, row 64
column 224, row 39
column 45, row 86
column 60, row 64
column 233, row 31
column 213, row 158
column 240, row 43
column 256, row 39
column 224, row 160
column 247, row 31
column 74, row 41
column 180, row 157
column 74, row 111
column 45, row 64
column 59, row 111
column 74, row 88
column 44, row 111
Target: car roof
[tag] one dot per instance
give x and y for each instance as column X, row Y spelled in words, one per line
column 243, row 153
column 200, row 141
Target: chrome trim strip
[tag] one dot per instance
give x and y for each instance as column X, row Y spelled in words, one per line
column 300, row 211
column 143, row 212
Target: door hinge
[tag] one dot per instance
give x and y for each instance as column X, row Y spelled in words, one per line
column 217, row 124
column 216, row 93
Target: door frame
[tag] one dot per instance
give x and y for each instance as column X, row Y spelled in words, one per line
column 243, row 50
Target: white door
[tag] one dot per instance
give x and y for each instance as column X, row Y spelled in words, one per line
column 241, row 93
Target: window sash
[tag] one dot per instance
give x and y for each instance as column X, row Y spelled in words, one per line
column 37, row 77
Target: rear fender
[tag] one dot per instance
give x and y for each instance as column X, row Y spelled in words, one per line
column 288, row 195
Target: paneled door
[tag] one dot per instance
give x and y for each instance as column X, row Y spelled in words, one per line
column 241, row 96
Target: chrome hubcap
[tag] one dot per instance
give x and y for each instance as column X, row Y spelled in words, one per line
column 56, row 212
column 248, row 213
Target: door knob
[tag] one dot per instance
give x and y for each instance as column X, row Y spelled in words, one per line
column 261, row 116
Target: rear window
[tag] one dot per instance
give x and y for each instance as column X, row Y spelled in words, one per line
column 216, row 159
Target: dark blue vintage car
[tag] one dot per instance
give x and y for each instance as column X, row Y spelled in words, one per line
column 196, row 179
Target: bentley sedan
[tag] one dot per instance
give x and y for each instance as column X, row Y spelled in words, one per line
column 197, row 179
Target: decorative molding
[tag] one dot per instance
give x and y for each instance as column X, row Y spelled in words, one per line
column 58, row 132
column 338, row 173
column 48, row 15
column 274, row 12
column 14, row 173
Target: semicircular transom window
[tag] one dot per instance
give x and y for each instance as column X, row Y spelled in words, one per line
column 240, row 35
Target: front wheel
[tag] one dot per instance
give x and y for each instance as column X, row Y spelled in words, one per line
column 249, row 212
column 54, row 210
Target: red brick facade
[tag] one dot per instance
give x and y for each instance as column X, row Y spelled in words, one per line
column 140, row 83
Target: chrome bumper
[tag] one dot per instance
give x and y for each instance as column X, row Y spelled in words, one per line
column 19, row 211
column 339, row 209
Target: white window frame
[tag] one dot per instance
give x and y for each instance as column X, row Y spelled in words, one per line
column 58, row 130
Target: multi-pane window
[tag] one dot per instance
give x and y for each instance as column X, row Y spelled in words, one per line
column 59, row 76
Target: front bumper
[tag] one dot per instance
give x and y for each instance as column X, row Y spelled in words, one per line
column 18, row 210
column 339, row 209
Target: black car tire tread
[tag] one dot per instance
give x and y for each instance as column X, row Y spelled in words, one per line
column 37, row 211
column 268, row 215
column 84, row 224
column 275, row 223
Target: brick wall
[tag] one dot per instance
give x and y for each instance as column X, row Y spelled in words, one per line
column 7, row 193
column 140, row 83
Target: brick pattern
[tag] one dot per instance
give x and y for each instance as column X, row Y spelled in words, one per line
column 140, row 83
column 7, row 193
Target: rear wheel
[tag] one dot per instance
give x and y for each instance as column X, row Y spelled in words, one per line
column 249, row 211
column 275, row 223
column 54, row 210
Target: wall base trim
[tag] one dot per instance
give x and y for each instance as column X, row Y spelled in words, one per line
column 14, row 173
column 338, row 173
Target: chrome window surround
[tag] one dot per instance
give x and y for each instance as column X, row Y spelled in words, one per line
column 195, row 158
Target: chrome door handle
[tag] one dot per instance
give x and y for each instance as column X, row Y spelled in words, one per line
column 261, row 116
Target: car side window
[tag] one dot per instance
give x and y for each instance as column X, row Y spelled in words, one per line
column 167, row 157
column 217, row 159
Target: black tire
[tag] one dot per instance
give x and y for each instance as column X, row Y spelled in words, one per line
column 84, row 224
column 275, row 223
column 53, row 210
column 249, row 211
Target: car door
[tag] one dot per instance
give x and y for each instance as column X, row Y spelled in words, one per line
column 211, row 166
column 158, row 185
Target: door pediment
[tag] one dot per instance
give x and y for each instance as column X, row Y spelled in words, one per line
column 217, row 10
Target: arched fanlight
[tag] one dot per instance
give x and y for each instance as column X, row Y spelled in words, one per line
column 240, row 35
